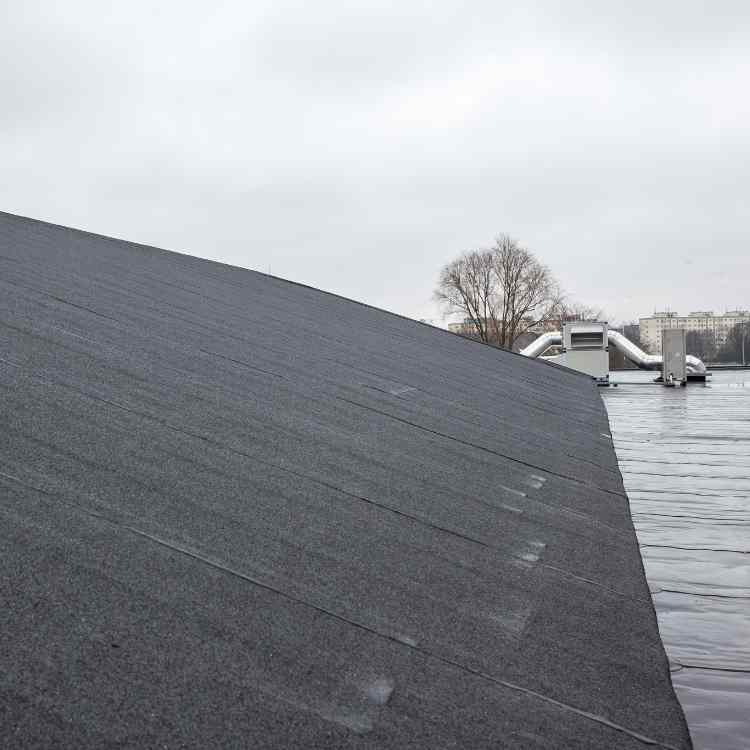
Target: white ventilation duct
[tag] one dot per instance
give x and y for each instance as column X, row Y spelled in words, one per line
column 629, row 350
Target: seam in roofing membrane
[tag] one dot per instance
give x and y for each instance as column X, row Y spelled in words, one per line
column 582, row 459
column 559, row 509
column 735, row 521
column 398, row 392
column 441, row 397
column 360, row 405
column 652, row 491
column 353, row 623
column 601, row 586
column 64, row 301
column 369, row 501
column 696, row 549
column 16, row 479
column 674, row 475
column 685, row 463
column 244, row 364
column 483, row 448
column 713, row 669
column 697, row 593
column 11, row 363
column 553, row 568
column 322, row 483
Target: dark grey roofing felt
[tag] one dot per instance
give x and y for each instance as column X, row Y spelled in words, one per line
column 237, row 511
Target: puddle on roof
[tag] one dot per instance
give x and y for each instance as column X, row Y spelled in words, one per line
column 684, row 454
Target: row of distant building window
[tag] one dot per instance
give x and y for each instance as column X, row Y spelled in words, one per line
column 652, row 326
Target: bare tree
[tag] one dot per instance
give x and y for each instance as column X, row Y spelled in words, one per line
column 578, row 311
column 632, row 332
column 466, row 285
column 504, row 291
column 736, row 348
column 529, row 295
column 702, row 344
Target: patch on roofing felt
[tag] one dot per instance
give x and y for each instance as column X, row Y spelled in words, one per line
column 406, row 639
column 380, row 690
column 533, row 551
column 535, row 481
column 512, row 620
column 538, row 740
column 401, row 390
column 360, row 702
column 397, row 390
column 355, row 701
column 360, row 723
column 518, row 493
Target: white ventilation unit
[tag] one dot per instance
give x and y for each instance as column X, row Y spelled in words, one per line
column 585, row 348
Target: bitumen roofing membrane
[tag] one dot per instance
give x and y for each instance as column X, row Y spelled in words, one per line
column 685, row 459
column 238, row 511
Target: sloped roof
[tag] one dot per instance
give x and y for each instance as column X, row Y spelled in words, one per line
column 239, row 511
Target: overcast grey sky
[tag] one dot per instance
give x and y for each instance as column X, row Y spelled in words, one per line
column 358, row 147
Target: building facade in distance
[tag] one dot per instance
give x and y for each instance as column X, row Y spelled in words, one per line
column 701, row 321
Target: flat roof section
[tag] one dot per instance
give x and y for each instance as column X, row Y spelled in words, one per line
column 685, row 459
column 238, row 511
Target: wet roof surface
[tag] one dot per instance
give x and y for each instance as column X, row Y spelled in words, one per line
column 685, row 459
column 239, row 511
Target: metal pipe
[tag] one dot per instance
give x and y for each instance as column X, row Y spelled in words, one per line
column 540, row 345
column 635, row 354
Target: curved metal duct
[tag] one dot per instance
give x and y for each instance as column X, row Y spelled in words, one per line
column 540, row 345
column 635, row 354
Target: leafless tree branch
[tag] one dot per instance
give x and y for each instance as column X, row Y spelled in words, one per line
column 504, row 290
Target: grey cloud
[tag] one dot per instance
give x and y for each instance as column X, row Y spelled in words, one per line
column 359, row 148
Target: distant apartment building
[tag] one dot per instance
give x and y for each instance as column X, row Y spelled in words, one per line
column 701, row 321
column 467, row 327
column 464, row 327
